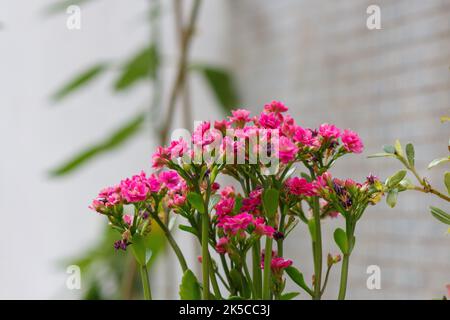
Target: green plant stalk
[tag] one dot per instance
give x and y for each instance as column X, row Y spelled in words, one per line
column 317, row 252
column 256, row 265
column 267, row 271
column 344, row 276
column 249, row 278
column 214, row 281
column 145, row 283
column 205, row 256
column 172, row 242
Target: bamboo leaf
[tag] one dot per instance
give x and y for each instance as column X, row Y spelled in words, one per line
column 80, row 81
column 141, row 66
column 117, row 138
column 221, row 84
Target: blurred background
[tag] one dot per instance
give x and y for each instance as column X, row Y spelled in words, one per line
column 83, row 108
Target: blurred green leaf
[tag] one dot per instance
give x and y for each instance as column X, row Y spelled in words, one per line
column 410, row 154
column 340, row 237
column 398, row 148
column 298, row 278
column 188, row 229
column 189, row 287
column 440, row 215
column 80, row 81
column 270, row 202
column 381, row 155
column 61, row 6
column 447, row 181
column 289, row 295
column 143, row 65
column 391, row 198
column 140, row 250
column 196, row 201
column 395, row 179
column 389, row 149
column 117, row 138
column 438, row 161
column 221, row 84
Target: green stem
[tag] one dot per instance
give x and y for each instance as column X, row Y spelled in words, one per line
column 214, row 280
column 146, row 283
column 205, row 256
column 317, row 250
column 344, row 275
column 257, row 274
column 249, row 278
column 172, row 242
column 267, row 271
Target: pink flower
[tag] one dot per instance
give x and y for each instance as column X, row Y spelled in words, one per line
column 234, row 224
column 275, row 106
column 177, row 148
column 135, row 189
column 304, row 136
column 108, row 197
column 279, row 263
column 352, row 142
column 153, row 184
column 128, row 219
column 161, row 157
column 176, row 200
column 288, row 127
column 222, row 125
column 300, row 187
column 329, row 131
column 269, row 120
column 170, row 179
column 222, row 245
column 225, row 206
column 262, row 229
column 228, row 191
column 240, row 117
column 287, row 150
column 323, row 179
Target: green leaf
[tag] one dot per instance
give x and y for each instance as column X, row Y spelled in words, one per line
column 196, row 201
column 398, row 148
column 188, row 229
column 79, row 81
column 236, row 279
column 289, row 295
column 221, row 84
column 340, row 237
column 215, row 198
column 142, row 66
column 270, row 202
column 381, row 155
column 235, row 298
column 447, row 181
column 438, row 161
column 395, row 179
column 391, row 198
column 389, row 149
column 298, row 278
column 410, row 154
column 440, row 215
column 117, row 138
column 140, row 251
column 189, row 287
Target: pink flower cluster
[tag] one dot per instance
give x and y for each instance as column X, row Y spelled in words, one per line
column 301, row 187
column 278, row 264
column 291, row 142
column 136, row 189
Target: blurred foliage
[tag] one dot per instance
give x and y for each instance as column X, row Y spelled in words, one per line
column 103, row 269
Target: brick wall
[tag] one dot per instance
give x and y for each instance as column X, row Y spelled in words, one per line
column 322, row 61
